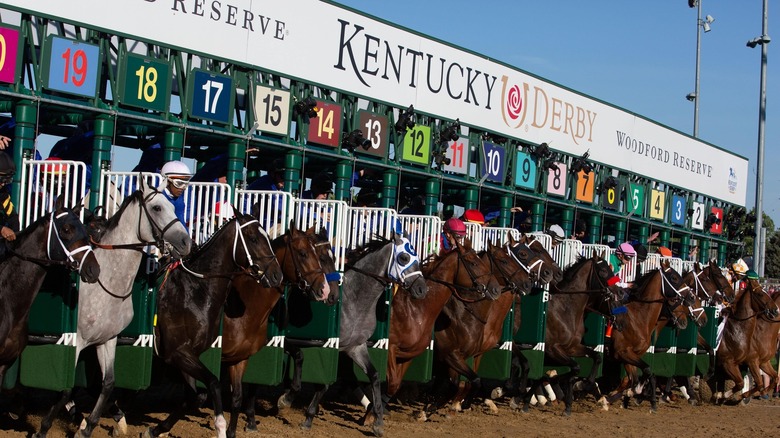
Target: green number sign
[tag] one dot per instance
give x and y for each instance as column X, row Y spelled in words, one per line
column 417, row 145
column 635, row 204
column 145, row 83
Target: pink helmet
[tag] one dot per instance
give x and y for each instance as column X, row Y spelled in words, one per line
column 626, row 249
column 455, row 226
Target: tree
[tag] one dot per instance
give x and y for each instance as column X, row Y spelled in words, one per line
column 772, row 260
column 740, row 227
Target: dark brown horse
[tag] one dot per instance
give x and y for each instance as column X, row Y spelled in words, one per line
column 736, row 345
column 192, row 299
column 584, row 286
column 639, row 322
column 304, row 259
column 56, row 239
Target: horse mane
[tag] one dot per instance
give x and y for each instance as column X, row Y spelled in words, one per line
column 209, row 242
column 644, row 278
column 569, row 273
column 113, row 221
column 355, row 255
column 21, row 234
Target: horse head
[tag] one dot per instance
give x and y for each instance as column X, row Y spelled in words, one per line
column 513, row 263
column 673, row 289
column 404, row 267
column 301, row 263
column 762, row 303
column 702, row 290
column 96, row 224
column 725, row 291
column 476, row 275
column 161, row 225
column 548, row 271
column 253, row 252
column 68, row 242
column 327, row 258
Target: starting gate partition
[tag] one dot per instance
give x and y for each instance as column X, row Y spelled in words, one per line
column 675, row 350
column 533, row 308
column 363, row 224
column 498, row 235
column 202, row 212
column 48, row 360
column 424, row 232
column 316, row 331
column 116, row 186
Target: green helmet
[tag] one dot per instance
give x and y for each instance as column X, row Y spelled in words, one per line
column 752, row 275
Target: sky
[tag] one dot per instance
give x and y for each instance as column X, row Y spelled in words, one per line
column 640, row 56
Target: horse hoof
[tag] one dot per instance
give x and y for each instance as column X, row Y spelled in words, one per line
column 491, row 406
column 121, row 427
column 420, row 416
column 147, row 433
column 497, row 392
column 305, row 425
column 513, row 404
column 457, row 407
column 378, row 430
column 566, row 413
column 368, row 419
column 283, row 402
column 745, row 401
column 250, row 427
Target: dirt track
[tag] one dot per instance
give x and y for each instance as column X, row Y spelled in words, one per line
column 340, row 419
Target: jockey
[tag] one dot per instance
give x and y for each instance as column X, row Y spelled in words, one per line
column 176, row 177
column 738, row 271
column 9, row 219
column 454, row 230
column 556, row 232
column 623, row 254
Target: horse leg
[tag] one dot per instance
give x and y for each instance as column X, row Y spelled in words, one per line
column 286, row 399
column 461, row 368
column 359, row 355
column 767, row 368
column 236, row 372
column 758, row 381
column 311, row 411
column 651, row 378
column 519, row 362
column 49, row 418
column 732, row 372
column 248, row 401
column 105, row 355
column 191, row 367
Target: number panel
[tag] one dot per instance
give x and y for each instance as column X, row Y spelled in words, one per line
column 458, row 152
column 585, row 183
column 657, row 204
column 73, row 66
column 493, row 162
column 717, row 228
column 556, row 180
column 145, row 83
column 9, row 55
column 376, row 128
column 697, row 221
column 635, row 202
column 678, row 210
column 525, row 171
column 325, row 129
column 610, row 198
column 272, row 110
column 210, row 96
column 417, row 145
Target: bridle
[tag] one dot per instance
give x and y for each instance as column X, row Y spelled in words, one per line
column 477, row 287
column 53, row 231
column 300, row 274
column 512, row 250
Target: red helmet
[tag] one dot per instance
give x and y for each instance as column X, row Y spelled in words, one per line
column 473, row 215
column 455, row 226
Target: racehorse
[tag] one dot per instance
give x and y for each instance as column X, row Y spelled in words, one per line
column 370, row 268
column 736, row 347
column 412, row 319
column 764, row 344
column 56, row 239
column 145, row 218
column 637, row 324
column 191, row 301
column 584, row 286
column 307, row 266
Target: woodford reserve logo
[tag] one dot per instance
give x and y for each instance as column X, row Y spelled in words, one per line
column 546, row 112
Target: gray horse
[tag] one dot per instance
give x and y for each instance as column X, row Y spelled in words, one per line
column 104, row 308
column 370, row 269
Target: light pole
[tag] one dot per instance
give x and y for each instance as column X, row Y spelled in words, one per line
column 694, row 97
column 763, row 41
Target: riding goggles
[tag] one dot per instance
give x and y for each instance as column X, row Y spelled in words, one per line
column 179, row 183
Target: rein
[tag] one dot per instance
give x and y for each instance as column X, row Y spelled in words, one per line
column 70, row 263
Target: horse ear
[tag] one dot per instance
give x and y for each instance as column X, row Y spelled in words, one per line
column 291, row 228
column 141, row 182
column 696, row 267
column 59, row 202
column 311, row 231
column 511, row 238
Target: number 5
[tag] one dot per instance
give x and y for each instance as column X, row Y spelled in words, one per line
column 635, row 198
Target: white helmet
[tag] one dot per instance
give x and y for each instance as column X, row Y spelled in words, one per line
column 556, row 232
column 176, row 169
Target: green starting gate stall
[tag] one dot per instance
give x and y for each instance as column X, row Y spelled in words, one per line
column 423, row 232
column 49, row 360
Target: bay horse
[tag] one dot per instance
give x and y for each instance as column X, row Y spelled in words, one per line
column 308, row 266
column 738, row 334
column 369, row 270
column 584, row 286
column 764, row 344
column 191, row 300
column 145, row 218
column 55, row 239
column 631, row 341
column 412, row 319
